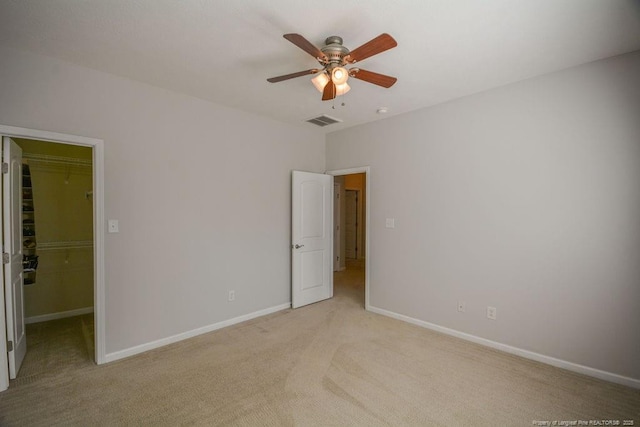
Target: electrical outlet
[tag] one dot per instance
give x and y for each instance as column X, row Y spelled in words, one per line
column 461, row 306
column 491, row 313
column 232, row 295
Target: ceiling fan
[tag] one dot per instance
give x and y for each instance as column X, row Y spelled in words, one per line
column 333, row 57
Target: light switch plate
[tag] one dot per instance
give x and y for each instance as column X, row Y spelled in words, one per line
column 391, row 223
column 113, row 226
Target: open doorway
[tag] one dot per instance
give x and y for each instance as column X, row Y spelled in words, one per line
column 350, row 236
column 92, row 302
column 57, row 229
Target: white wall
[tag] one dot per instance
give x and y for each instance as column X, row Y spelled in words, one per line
column 525, row 198
column 202, row 193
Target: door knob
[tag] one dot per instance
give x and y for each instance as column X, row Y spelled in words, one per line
column 298, row 246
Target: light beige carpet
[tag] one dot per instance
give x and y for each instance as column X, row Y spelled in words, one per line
column 328, row 364
column 56, row 347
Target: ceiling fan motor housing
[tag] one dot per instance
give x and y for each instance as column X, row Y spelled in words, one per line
column 335, row 52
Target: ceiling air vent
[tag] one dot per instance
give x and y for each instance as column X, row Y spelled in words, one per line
column 324, row 120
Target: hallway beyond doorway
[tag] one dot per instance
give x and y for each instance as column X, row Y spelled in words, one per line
column 350, row 281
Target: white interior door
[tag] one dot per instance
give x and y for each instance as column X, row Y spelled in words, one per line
column 311, row 234
column 12, row 248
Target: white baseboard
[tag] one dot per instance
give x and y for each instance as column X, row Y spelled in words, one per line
column 110, row 357
column 559, row 363
column 60, row 315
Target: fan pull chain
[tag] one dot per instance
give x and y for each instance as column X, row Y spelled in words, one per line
column 333, row 101
column 343, row 98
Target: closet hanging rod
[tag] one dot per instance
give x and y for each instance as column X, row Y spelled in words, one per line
column 58, row 160
column 70, row 244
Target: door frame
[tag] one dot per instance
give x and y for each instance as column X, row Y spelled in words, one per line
column 358, row 232
column 97, row 146
column 336, row 225
column 367, row 209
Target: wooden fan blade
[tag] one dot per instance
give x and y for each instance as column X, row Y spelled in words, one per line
column 329, row 91
column 371, row 77
column 381, row 43
column 292, row 75
column 305, row 45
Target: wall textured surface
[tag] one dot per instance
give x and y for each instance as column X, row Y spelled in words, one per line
column 525, row 198
column 202, row 193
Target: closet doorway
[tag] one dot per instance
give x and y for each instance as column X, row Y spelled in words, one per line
column 57, row 230
column 63, row 245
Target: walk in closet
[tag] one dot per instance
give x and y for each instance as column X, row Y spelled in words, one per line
column 57, row 230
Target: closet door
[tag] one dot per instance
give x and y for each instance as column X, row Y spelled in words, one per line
column 12, row 256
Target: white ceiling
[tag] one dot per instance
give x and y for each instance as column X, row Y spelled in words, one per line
column 224, row 51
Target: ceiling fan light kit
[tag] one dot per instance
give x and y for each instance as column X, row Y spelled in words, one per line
column 321, row 80
column 333, row 57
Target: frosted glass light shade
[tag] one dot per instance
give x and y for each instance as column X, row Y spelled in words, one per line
column 320, row 81
column 339, row 75
column 342, row 89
